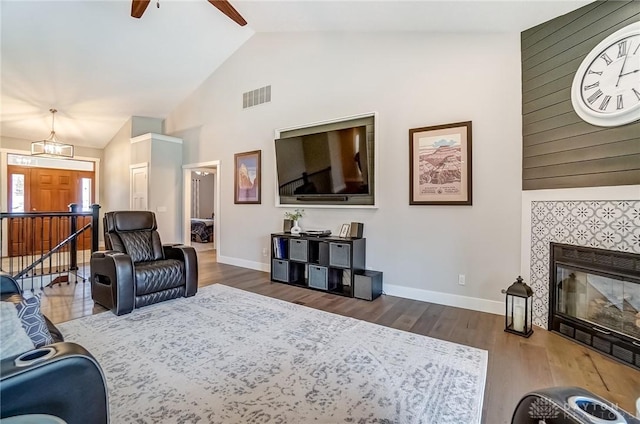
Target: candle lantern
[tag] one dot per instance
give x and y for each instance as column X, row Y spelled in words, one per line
column 519, row 309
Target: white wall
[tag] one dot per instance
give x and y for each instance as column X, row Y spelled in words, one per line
column 165, row 188
column 144, row 125
column 118, row 154
column 116, row 158
column 412, row 80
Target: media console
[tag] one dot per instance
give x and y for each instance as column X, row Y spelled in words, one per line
column 330, row 264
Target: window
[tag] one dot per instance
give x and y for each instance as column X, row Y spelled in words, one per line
column 17, row 193
column 86, row 194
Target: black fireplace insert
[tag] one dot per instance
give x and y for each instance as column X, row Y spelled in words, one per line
column 595, row 299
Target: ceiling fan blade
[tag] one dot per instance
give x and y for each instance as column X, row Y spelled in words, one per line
column 138, row 7
column 225, row 7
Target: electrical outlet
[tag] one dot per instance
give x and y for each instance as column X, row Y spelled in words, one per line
column 265, row 252
column 461, row 279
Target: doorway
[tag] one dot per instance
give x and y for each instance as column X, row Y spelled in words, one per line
column 201, row 209
column 39, row 189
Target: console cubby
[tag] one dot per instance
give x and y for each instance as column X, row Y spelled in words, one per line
column 320, row 263
column 318, row 252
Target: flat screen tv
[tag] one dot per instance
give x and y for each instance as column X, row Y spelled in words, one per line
column 332, row 166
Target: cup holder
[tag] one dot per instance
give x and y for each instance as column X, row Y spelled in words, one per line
column 34, row 356
column 597, row 412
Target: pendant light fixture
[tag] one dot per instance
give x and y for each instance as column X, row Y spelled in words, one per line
column 51, row 147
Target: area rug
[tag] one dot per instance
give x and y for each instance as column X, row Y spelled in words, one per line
column 230, row 356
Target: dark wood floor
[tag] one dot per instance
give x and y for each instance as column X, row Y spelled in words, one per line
column 516, row 365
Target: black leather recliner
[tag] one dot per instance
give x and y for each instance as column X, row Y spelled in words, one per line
column 61, row 379
column 568, row 405
column 137, row 270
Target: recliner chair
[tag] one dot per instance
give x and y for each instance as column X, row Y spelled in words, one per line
column 137, row 269
column 568, row 405
column 61, row 379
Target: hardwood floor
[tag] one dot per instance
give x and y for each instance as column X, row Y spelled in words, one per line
column 516, row 365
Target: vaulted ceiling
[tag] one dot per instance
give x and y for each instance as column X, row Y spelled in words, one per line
column 98, row 66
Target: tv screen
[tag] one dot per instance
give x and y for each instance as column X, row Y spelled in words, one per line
column 326, row 163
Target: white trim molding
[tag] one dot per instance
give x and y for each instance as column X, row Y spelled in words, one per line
column 156, row 137
column 258, row 266
column 448, row 299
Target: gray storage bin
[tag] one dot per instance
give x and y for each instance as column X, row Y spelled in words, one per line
column 298, row 250
column 340, row 255
column 318, row 277
column 280, row 270
column 367, row 285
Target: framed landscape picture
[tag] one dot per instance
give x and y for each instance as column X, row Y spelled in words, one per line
column 247, row 177
column 440, row 165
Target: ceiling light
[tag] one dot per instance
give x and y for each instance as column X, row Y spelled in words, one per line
column 203, row 173
column 51, row 147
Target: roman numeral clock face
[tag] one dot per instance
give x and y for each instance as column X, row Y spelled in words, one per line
column 606, row 87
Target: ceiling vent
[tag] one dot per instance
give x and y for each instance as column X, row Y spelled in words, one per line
column 256, row 97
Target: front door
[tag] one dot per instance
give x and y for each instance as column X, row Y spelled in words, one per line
column 46, row 190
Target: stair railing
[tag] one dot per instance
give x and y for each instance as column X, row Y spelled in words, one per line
column 41, row 249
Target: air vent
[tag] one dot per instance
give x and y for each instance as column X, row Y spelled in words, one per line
column 601, row 344
column 622, row 353
column 567, row 330
column 583, row 337
column 256, row 97
column 626, row 263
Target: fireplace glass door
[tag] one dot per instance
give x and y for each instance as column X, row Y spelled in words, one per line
column 608, row 303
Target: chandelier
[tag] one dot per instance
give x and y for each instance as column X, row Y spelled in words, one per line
column 51, row 147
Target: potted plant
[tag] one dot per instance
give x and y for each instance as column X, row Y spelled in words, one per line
column 294, row 217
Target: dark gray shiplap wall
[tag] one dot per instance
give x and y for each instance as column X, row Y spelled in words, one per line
column 559, row 149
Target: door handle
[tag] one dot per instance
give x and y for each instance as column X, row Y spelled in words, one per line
column 601, row 331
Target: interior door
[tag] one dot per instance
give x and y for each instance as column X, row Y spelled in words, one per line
column 139, row 188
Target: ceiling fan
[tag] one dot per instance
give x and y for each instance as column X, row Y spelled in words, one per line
column 139, row 6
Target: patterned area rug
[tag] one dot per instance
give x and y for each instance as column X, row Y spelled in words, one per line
column 230, row 356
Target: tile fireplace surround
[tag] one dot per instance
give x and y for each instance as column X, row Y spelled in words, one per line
column 611, row 224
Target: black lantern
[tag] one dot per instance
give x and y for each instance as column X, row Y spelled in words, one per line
column 519, row 309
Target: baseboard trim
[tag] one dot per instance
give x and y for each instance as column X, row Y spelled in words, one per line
column 258, row 266
column 466, row 302
column 456, row 300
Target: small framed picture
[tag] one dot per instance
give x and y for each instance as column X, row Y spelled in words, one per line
column 344, row 231
column 247, row 177
column 440, row 165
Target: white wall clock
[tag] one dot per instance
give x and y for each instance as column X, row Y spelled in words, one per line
column 606, row 88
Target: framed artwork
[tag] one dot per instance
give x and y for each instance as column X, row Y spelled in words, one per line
column 440, row 165
column 344, row 231
column 247, row 171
